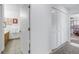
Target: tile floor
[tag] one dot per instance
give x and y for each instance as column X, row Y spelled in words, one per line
column 13, row 47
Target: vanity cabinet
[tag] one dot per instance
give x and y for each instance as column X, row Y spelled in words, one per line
column 6, row 38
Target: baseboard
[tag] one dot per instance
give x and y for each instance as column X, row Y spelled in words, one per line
column 54, row 50
column 14, row 38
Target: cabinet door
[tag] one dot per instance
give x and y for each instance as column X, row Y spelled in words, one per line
column 6, row 38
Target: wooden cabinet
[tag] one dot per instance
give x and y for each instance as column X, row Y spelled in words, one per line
column 6, row 38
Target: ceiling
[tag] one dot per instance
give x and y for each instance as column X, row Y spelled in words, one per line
column 72, row 8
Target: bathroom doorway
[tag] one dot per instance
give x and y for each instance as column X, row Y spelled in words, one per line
column 16, row 24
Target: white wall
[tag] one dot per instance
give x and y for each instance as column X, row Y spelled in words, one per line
column 63, row 27
column 49, row 27
column 1, row 29
column 59, row 32
column 12, row 11
column 40, row 21
column 53, row 29
column 24, row 35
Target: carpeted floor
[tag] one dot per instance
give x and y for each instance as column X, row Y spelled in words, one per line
column 71, row 48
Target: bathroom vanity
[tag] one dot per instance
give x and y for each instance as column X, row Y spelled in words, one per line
column 6, row 38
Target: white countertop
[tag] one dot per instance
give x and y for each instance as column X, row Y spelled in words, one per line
column 5, row 30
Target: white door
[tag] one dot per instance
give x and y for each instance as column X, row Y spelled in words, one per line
column 24, row 17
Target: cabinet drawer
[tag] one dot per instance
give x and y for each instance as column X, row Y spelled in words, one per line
column 6, row 38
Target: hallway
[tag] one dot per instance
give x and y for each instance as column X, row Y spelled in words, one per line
column 13, row 47
column 42, row 28
column 75, row 39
